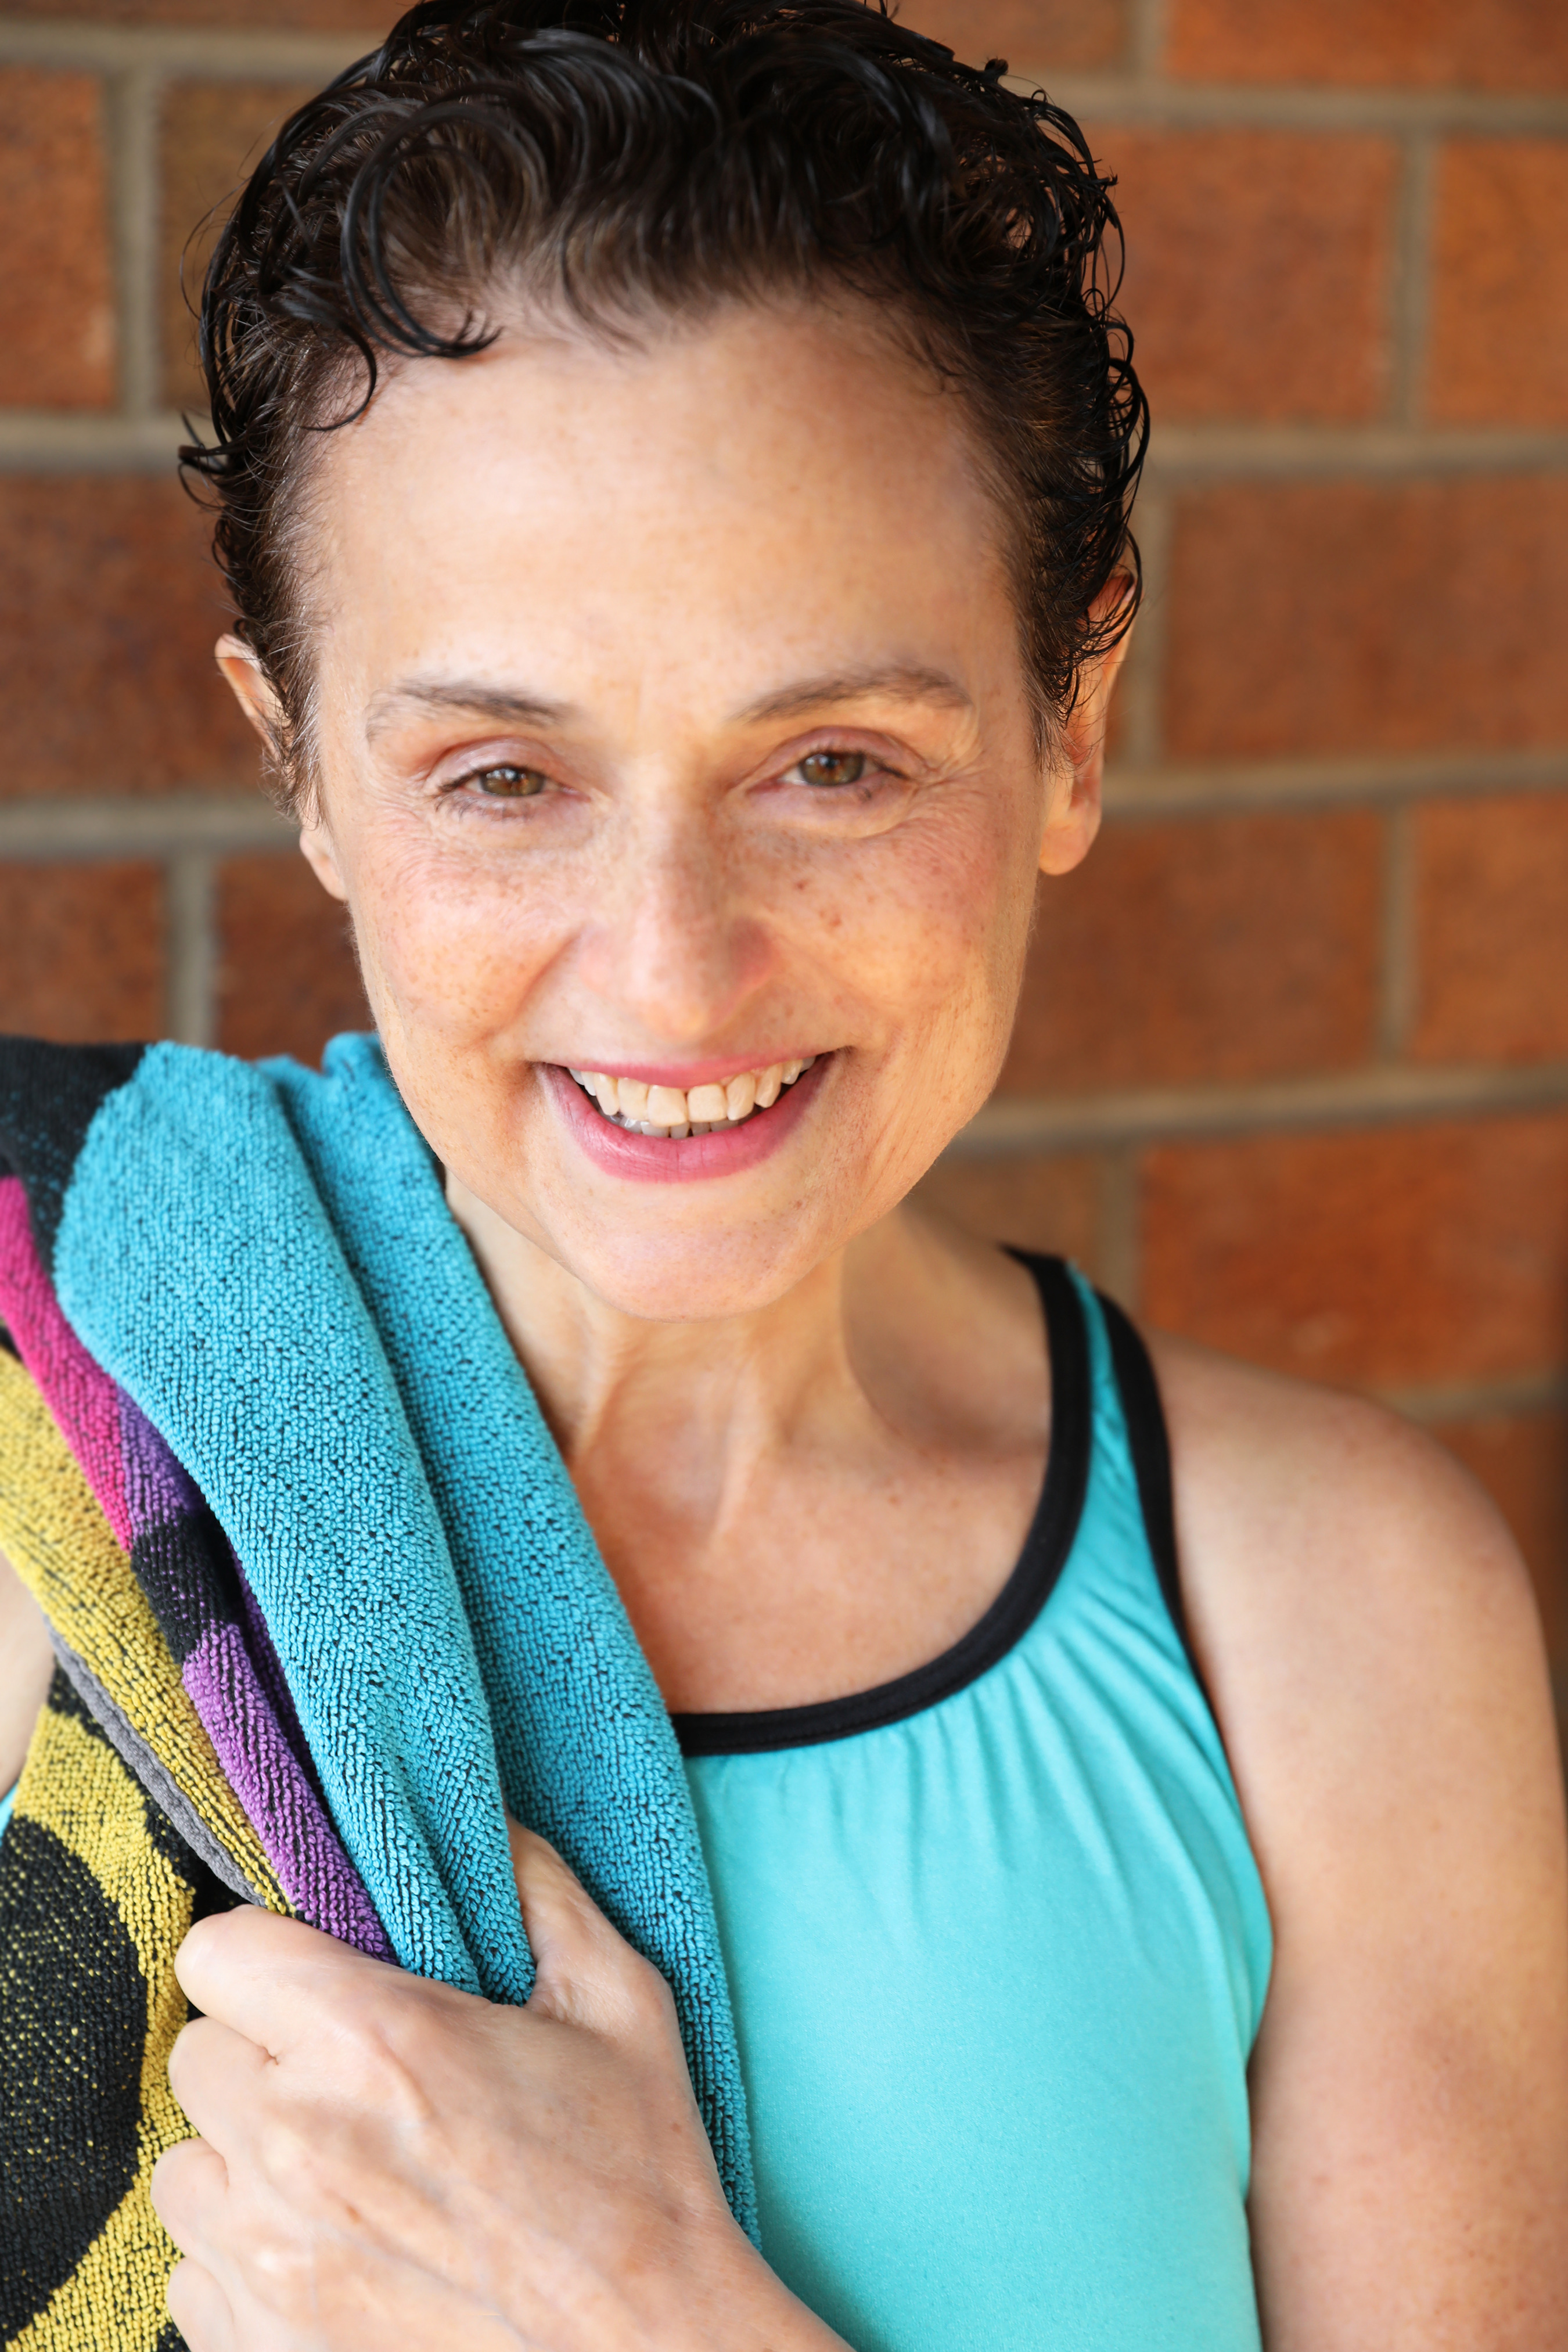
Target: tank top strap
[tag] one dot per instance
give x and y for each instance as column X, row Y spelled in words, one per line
column 1121, row 1403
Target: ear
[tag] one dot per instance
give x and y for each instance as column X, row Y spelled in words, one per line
column 317, row 850
column 1073, row 807
column 252, row 689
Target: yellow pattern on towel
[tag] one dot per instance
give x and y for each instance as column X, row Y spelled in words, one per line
column 56, row 1535
column 76, row 1802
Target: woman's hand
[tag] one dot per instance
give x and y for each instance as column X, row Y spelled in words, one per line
column 385, row 2162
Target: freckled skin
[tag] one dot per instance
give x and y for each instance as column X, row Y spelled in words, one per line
column 666, row 899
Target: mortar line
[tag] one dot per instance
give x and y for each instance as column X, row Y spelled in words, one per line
column 1393, row 113
column 72, row 831
column 1411, row 293
column 193, row 952
column 211, row 51
column 1471, row 1400
column 1206, row 453
column 131, row 110
column 1398, row 976
column 1146, row 38
column 1376, row 1096
column 1139, row 793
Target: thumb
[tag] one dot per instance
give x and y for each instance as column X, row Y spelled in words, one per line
column 588, row 1975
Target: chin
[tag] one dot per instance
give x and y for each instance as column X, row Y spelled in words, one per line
column 691, row 1275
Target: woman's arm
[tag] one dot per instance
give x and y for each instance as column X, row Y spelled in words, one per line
column 26, row 1663
column 387, row 2162
column 1371, row 1645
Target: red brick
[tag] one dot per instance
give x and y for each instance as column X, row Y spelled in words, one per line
column 1430, row 43
column 288, row 980
column 1404, row 1255
column 1208, row 948
column 1258, row 270
column 1366, row 616
column 1044, row 36
column 81, row 950
column 1491, row 877
column 109, row 607
column 1035, row 1201
column 1522, row 1459
column 1499, row 351
column 371, row 18
column 56, row 316
column 211, row 134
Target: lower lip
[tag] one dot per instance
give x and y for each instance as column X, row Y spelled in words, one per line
column 657, row 1159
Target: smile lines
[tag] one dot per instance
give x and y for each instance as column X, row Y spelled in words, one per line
column 676, row 1112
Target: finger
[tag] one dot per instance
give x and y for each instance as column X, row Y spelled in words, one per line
column 189, row 2190
column 589, row 1973
column 268, row 1977
column 200, row 2309
column 216, row 2073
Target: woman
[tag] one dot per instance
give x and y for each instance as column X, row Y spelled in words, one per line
column 1137, row 1878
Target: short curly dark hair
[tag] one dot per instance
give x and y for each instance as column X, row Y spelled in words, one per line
column 632, row 158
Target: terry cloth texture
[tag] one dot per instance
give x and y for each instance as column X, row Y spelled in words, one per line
column 318, row 1581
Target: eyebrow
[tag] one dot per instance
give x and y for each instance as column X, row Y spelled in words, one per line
column 507, row 708
column 897, row 681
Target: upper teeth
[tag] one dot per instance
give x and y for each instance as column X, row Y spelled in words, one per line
column 676, row 1112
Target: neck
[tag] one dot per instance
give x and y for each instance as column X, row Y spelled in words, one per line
column 729, row 1388
column 807, row 1496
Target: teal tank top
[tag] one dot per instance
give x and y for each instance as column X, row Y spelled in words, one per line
column 998, row 1944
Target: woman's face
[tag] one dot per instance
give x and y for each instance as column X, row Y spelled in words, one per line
column 672, row 728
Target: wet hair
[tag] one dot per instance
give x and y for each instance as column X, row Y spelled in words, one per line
column 626, row 160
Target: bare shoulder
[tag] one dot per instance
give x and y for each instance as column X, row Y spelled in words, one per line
column 1371, row 1642
column 1348, row 1581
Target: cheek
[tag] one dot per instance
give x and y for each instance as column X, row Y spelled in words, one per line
column 955, row 918
column 450, row 950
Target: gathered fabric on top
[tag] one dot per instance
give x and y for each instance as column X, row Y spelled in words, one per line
column 998, row 1945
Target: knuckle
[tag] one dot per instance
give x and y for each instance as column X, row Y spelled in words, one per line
column 648, row 1997
column 184, row 2056
column 168, row 2184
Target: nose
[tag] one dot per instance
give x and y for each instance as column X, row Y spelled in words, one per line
column 676, row 951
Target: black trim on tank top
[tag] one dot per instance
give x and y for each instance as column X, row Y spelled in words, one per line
column 1150, row 1445
column 1046, row 1547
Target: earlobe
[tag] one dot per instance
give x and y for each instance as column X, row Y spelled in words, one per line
column 1074, row 807
column 1072, row 818
column 316, row 848
column 252, row 689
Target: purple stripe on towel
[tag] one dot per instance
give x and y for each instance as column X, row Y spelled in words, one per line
column 233, row 1673
column 268, row 1666
column 235, row 1680
column 158, row 1486
column 159, row 1494
column 267, row 1777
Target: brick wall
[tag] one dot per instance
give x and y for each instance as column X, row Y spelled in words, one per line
column 1292, row 1070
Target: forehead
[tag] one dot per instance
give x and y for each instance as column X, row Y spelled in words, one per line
column 770, row 486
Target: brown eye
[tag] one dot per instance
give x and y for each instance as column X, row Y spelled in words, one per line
column 833, row 767
column 507, row 783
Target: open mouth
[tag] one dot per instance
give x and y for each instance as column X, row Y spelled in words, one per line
column 675, row 1112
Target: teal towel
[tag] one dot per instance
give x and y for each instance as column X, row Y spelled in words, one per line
column 263, row 1260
